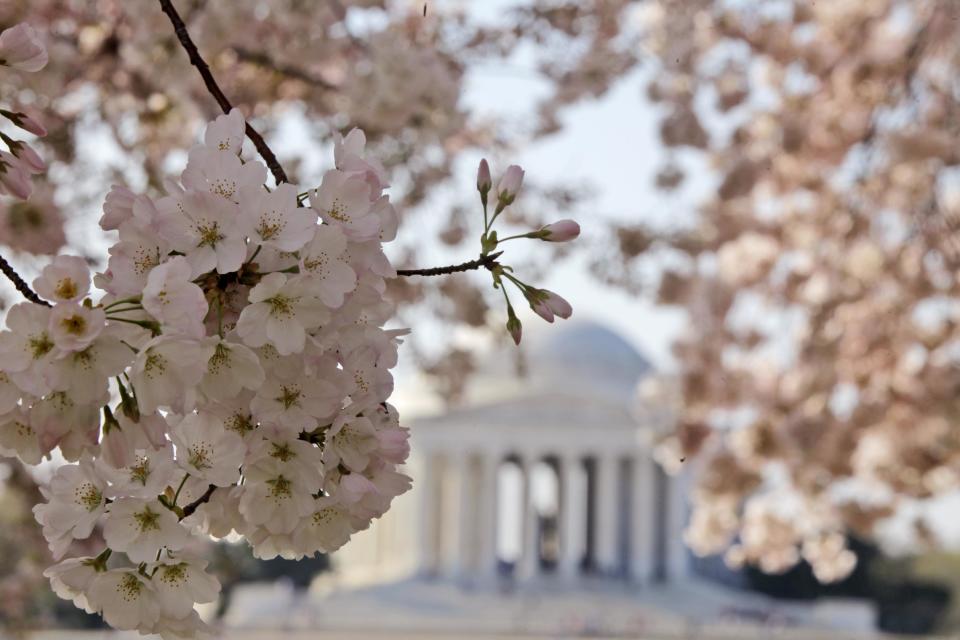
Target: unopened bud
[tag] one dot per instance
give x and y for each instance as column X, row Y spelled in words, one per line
column 25, row 122
column 509, row 185
column 560, row 231
column 514, row 326
column 548, row 304
column 484, row 182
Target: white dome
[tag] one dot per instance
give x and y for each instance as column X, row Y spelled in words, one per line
column 578, row 358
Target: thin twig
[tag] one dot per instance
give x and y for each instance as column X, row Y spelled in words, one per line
column 20, row 283
column 263, row 60
column 486, row 262
column 193, row 506
column 197, row 60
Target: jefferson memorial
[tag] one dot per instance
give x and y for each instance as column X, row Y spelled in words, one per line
column 537, row 508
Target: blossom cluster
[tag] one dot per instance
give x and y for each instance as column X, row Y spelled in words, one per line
column 231, row 379
column 819, row 370
column 20, row 49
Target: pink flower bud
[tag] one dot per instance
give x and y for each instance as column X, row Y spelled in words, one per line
column 484, row 182
column 509, row 185
column 560, row 307
column 13, row 177
column 542, row 309
column 20, row 48
column 25, row 122
column 514, row 327
column 31, row 160
column 560, row 231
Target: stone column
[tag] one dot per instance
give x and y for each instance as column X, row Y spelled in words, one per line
column 573, row 515
column 429, row 517
column 606, row 512
column 643, row 518
column 465, row 510
column 487, row 529
column 678, row 558
column 528, row 564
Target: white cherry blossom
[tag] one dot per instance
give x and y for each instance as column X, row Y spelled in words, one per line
column 226, row 132
column 206, row 229
column 167, row 371
column 207, row 450
column 65, row 279
column 19, row 439
column 125, row 599
column 75, row 503
column 181, row 582
column 275, row 220
column 73, row 327
column 344, row 200
column 323, row 264
column 172, row 298
column 231, row 368
column 141, row 528
column 281, row 311
column 71, row 579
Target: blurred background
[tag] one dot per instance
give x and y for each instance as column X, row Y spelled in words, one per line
column 749, row 424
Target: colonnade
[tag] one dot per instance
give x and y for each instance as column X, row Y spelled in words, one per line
column 617, row 516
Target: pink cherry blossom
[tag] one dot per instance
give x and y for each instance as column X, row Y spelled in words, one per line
column 65, row 279
column 343, row 200
column 173, row 299
column 21, row 48
column 276, row 221
column 280, row 312
column 206, row 228
column 323, row 264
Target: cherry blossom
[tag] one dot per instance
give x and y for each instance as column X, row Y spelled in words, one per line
column 140, row 528
column 281, row 311
column 206, row 228
column 172, row 298
column 207, row 450
column 125, row 599
column 275, row 219
column 65, row 279
column 20, row 48
column 228, row 373
column 75, row 505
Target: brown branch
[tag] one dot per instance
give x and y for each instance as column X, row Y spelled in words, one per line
column 189, row 509
column 20, row 283
column 486, row 262
column 197, row 60
column 263, row 60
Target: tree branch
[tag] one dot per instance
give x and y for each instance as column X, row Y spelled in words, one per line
column 189, row 509
column 486, row 262
column 197, row 60
column 263, row 60
column 20, row 283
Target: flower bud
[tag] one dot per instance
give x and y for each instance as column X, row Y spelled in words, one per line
column 514, row 326
column 20, row 48
column 560, row 231
column 25, row 122
column 13, row 177
column 557, row 304
column 509, row 185
column 31, row 160
column 484, row 183
column 548, row 304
